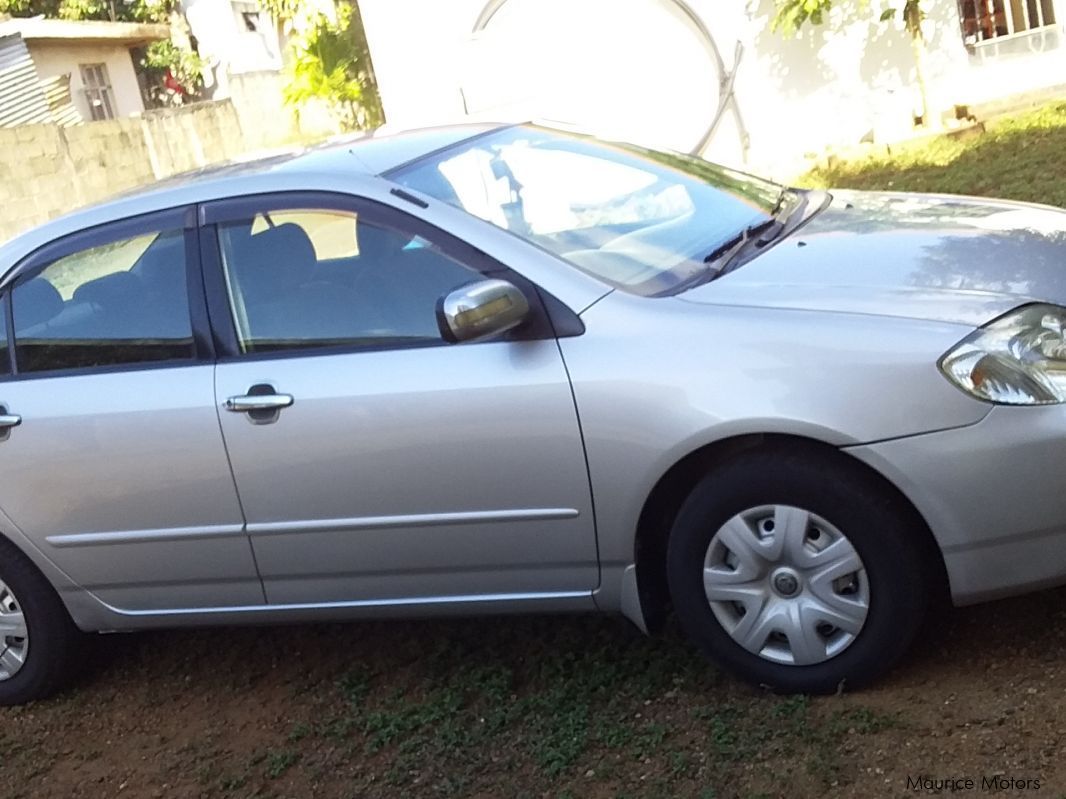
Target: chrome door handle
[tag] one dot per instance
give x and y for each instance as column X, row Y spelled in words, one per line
column 9, row 420
column 259, row 402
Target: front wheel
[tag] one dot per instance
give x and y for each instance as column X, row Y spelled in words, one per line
column 797, row 572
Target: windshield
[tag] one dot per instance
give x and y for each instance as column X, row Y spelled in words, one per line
column 640, row 220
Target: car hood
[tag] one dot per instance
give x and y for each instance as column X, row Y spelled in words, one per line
column 942, row 258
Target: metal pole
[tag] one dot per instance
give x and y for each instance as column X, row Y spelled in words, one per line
column 726, row 79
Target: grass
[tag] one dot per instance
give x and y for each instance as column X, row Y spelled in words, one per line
column 593, row 707
column 1018, row 158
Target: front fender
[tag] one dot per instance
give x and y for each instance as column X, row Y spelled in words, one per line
column 657, row 379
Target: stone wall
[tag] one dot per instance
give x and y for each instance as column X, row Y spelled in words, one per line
column 46, row 170
column 260, row 105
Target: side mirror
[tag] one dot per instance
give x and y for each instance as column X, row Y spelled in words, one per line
column 481, row 309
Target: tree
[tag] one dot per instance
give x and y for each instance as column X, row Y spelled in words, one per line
column 791, row 15
column 329, row 61
column 113, row 10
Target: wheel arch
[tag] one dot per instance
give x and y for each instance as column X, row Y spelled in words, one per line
column 69, row 592
column 663, row 502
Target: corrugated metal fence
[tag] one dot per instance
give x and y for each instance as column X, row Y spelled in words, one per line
column 22, row 100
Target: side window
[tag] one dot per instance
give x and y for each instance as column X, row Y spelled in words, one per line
column 125, row 302
column 5, row 358
column 319, row 278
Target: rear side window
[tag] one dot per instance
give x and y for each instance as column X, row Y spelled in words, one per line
column 125, row 302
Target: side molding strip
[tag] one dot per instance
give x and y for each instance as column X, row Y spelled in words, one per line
column 145, row 536
column 360, row 603
column 312, row 526
column 413, row 520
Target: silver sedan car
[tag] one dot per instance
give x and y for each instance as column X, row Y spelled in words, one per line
column 493, row 369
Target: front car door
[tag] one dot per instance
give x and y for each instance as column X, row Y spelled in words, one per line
column 111, row 457
column 376, row 463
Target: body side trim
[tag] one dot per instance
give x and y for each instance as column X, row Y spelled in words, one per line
column 413, row 520
column 460, row 599
column 144, row 536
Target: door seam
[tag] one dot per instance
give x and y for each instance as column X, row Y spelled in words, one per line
column 233, row 479
column 588, row 470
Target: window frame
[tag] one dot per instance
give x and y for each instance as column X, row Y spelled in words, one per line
column 103, row 89
column 1011, row 23
column 547, row 314
column 182, row 218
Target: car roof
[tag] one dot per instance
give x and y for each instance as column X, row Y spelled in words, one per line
column 363, row 156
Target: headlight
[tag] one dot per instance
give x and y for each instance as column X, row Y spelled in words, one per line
column 1018, row 359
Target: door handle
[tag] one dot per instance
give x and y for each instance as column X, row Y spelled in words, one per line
column 258, row 402
column 9, row 420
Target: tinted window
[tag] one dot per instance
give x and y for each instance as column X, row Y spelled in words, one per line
column 120, row 303
column 639, row 219
column 5, row 359
column 318, row 278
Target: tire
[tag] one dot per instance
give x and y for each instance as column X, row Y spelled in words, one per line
column 801, row 578
column 50, row 647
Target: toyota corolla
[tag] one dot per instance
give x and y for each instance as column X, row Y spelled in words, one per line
column 493, row 369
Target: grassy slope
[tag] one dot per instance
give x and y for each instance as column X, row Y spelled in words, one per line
column 1020, row 158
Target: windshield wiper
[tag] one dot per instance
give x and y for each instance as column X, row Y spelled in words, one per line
column 760, row 234
column 729, row 248
column 725, row 256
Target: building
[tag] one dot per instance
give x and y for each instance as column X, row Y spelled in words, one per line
column 83, row 64
column 706, row 75
column 239, row 38
column 235, row 38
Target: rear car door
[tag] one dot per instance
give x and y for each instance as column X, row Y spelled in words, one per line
column 393, row 467
column 111, row 457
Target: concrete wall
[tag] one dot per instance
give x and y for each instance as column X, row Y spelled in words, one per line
column 264, row 117
column 46, row 170
column 62, row 57
column 634, row 68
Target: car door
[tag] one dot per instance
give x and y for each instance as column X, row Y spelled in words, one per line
column 111, row 457
column 376, row 463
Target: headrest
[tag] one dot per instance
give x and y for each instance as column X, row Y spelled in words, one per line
column 274, row 260
column 110, row 291
column 376, row 242
column 35, row 302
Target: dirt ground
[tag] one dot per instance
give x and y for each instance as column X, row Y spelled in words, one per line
column 565, row 706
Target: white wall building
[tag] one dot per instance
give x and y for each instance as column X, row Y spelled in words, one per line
column 235, row 38
column 666, row 71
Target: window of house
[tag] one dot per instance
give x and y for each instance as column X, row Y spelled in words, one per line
column 96, row 87
column 985, row 20
column 124, row 302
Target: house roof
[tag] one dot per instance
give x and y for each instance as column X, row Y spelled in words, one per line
column 39, row 29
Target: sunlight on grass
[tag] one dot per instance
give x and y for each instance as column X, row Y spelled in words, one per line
column 1017, row 158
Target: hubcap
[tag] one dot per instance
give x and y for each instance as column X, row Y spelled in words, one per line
column 14, row 636
column 786, row 584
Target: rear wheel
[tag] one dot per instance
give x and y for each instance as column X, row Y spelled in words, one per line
column 797, row 572
column 38, row 641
